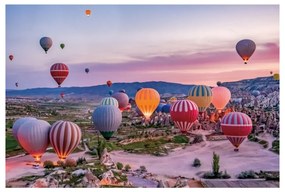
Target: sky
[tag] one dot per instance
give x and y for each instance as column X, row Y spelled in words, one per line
column 189, row 44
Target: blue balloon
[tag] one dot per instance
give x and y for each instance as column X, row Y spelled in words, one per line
column 166, row 108
column 159, row 108
column 111, row 92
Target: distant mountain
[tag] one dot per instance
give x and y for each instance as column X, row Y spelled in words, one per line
column 164, row 88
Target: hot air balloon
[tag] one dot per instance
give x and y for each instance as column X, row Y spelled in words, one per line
column 109, row 83
column 46, row 43
column 245, row 48
column 64, row 137
column 107, row 119
column 202, row 96
column 255, row 93
column 16, row 84
column 33, row 136
column 236, row 126
column 221, row 97
column 59, row 71
column 62, row 95
column 159, row 107
column 62, row 45
column 172, row 100
column 184, row 113
column 219, row 83
column 86, row 70
column 122, row 99
column 11, row 57
column 18, row 123
column 128, row 108
column 111, row 92
column 166, row 108
column 147, row 100
column 87, row 12
column 276, row 76
column 109, row 101
column 271, row 72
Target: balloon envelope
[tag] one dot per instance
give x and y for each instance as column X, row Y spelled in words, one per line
column 245, row 48
column 201, row 95
column 147, row 100
column 59, row 72
column 221, row 97
column 159, row 107
column 46, row 43
column 184, row 113
column 86, row 70
column 62, row 45
column 236, row 126
column 64, row 138
column 255, row 93
column 122, row 99
column 18, row 123
column 276, row 76
column 109, row 83
column 111, row 92
column 11, row 57
column 33, row 135
column 166, row 108
column 109, row 101
column 87, row 12
column 107, row 119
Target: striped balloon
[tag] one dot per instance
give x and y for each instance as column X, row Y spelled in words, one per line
column 64, row 138
column 202, row 96
column 184, row 113
column 17, row 125
column 236, row 126
column 109, row 101
column 107, row 119
column 147, row 100
column 122, row 98
column 59, row 72
column 221, row 97
column 33, row 136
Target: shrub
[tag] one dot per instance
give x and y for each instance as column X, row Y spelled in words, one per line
column 209, row 175
column 100, row 148
column 180, row 139
column 81, row 160
column 225, row 175
column 48, row 164
column 127, row 167
column 143, row 168
column 248, row 175
column 196, row 163
column 70, row 163
column 197, row 139
column 60, row 163
column 120, row 165
column 275, row 146
column 263, row 142
column 215, row 164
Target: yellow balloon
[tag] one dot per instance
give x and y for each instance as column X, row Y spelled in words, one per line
column 202, row 96
column 276, row 76
column 147, row 100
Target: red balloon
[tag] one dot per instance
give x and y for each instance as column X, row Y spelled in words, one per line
column 59, row 72
column 236, row 126
column 109, row 83
column 184, row 113
column 11, row 57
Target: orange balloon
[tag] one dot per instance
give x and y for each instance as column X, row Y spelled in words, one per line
column 221, row 97
column 88, row 12
column 147, row 100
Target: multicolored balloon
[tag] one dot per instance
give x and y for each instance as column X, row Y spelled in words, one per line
column 221, row 97
column 33, row 136
column 245, row 48
column 59, row 72
column 236, row 126
column 107, row 119
column 202, row 96
column 64, row 137
column 184, row 113
column 46, row 43
column 109, row 101
column 147, row 100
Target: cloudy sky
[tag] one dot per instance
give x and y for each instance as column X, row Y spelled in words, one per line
column 189, row 44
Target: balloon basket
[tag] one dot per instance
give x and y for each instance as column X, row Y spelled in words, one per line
column 236, row 149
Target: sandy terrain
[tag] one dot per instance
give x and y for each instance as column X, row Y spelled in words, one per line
column 21, row 166
column 178, row 163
